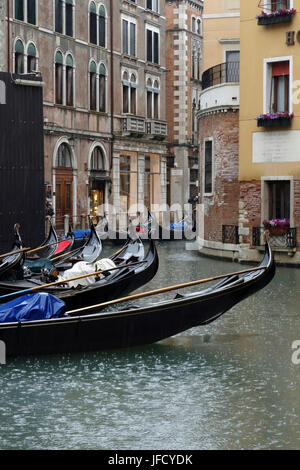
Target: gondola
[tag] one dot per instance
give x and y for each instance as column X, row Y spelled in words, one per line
column 89, row 252
column 13, row 260
column 47, row 248
column 127, row 278
column 135, row 325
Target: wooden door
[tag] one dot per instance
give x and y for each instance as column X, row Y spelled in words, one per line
column 64, row 196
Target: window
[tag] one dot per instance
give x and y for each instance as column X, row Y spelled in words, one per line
column 129, row 85
column 31, row 58
column 59, row 78
column 63, row 157
column 199, row 27
column 19, row 10
column 128, row 181
column 102, row 88
column 193, row 25
column 69, row 18
column 152, row 38
column 279, row 193
column 152, row 5
column 279, row 4
column 93, row 23
column 232, row 66
column 280, row 87
column 64, row 17
column 59, row 16
column 102, row 26
column 208, row 167
column 19, row 57
column 93, row 86
column 128, row 37
column 152, row 183
column 153, row 91
column 25, row 10
column 97, row 160
column 69, row 81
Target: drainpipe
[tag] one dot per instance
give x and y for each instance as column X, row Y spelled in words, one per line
column 111, row 84
column 8, row 36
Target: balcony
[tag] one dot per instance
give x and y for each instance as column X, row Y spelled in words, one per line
column 133, row 126
column 280, row 240
column 156, row 129
column 228, row 72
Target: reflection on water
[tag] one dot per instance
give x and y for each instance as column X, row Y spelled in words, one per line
column 229, row 385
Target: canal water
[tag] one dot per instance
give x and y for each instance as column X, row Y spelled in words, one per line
column 229, row 385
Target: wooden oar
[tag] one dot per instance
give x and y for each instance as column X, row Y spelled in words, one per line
column 64, row 281
column 14, row 252
column 67, row 255
column 164, row 289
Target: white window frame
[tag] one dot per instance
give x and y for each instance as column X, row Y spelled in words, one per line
column 64, row 19
column 129, row 20
column 64, row 79
column 154, row 30
column 266, row 4
column 152, row 90
column 267, row 80
column 264, row 196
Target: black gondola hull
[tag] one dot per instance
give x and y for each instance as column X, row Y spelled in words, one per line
column 128, row 328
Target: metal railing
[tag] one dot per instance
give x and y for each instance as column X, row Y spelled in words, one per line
column 285, row 238
column 230, row 234
column 228, row 72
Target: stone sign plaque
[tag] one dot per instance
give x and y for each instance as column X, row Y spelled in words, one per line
column 276, row 147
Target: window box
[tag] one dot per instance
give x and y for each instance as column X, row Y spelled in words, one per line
column 279, row 16
column 274, row 120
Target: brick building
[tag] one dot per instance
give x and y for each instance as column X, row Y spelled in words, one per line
column 184, row 67
column 103, row 68
column 218, row 127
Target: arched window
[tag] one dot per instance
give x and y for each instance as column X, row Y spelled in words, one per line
column 153, row 91
column 64, row 156
column 19, row 57
column 193, row 25
column 102, row 88
column 69, row 81
column 93, row 86
column 102, row 26
column 133, row 86
column 59, row 78
column 93, row 23
column 149, row 98
column 97, row 159
column 31, row 58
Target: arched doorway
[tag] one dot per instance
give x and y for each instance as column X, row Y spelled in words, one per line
column 63, row 184
column 98, row 181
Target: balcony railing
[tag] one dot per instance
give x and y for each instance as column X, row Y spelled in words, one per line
column 286, row 238
column 230, row 234
column 228, row 72
column 158, row 129
column 134, row 125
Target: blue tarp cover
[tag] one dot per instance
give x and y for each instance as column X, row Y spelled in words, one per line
column 38, row 306
column 80, row 234
column 177, row 226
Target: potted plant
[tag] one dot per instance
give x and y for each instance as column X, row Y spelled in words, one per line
column 277, row 226
column 275, row 17
column 274, row 119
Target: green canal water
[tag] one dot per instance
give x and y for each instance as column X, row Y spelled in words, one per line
column 229, row 385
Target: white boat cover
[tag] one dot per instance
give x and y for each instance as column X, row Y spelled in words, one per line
column 81, row 268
